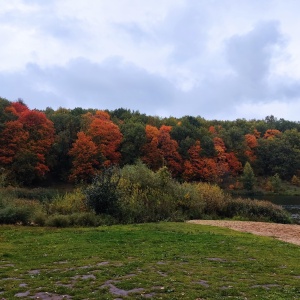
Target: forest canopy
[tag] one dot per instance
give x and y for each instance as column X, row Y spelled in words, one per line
column 73, row 145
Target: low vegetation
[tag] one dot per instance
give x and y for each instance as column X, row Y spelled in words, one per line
column 134, row 194
column 152, row 261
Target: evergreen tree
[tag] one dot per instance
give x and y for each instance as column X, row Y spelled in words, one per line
column 248, row 177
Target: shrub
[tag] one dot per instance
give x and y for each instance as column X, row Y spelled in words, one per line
column 274, row 184
column 147, row 196
column 102, row 195
column 68, row 203
column 39, row 218
column 213, row 197
column 141, row 174
column 190, row 202
column 255, row 210
column 295, row 180
column 14, row 215
column 84, row 219
column 58, row 221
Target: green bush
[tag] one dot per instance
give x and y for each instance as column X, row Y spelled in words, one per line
column 255, row 210
column 14, row 215
column 102, row 195
column 84, row 219
column 68, row 203
column 147, row 196
column 141, row 174
column 39, row 218
column 133, row 195
column 58, row 221
column 213, row 197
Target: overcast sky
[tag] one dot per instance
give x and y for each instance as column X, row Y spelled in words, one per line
column 219, row 59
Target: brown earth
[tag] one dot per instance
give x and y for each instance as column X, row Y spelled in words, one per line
column 284, row 232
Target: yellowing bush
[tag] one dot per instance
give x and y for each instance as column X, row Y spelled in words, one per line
column 69, row 203
column 213, row 197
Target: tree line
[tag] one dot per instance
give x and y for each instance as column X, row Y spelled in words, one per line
column 73, row 145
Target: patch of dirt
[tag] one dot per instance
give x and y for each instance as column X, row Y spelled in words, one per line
column 285, row 232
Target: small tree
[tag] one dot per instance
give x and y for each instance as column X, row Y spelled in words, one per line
column 102, row 195
column 248, row 177
column 276, row 183
column 295, row 180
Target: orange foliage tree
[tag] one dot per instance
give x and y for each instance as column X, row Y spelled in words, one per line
column 169, row 150
column 210, row 169
column 84, row 153
column 100, row 142
column 160, row 149
column 194, row 165
column 12, row 140
column 41, row 137
column 25, row 143
column 17, row 108
column 151, row 153
column 272, row 133
column 198, row 168
column 107, row 137
column 227, row 163
column 251, row 144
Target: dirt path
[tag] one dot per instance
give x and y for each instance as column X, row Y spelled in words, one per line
column 285, row 232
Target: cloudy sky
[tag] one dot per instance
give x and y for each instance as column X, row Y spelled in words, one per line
column 219, row 59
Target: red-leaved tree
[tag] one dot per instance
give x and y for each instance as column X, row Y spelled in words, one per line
column 84, row 153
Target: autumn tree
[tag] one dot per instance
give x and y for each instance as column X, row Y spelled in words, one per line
column 169, row 150
column 99, row 142
column 251, row 145
column 12, row 140
column 25, row 143
column 17, row 108
column 107, row 137
column 227, row 163
column 199, row 168
column 84, row 164
column 161, row 150
column 151, row 152
column 272, row 133
column 193, row 166
column 41, row 137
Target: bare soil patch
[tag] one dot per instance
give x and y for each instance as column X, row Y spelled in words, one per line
column 285, row 232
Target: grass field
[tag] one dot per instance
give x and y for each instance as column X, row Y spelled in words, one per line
column 148, row 261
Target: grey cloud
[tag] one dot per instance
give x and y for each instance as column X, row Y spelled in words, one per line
column 249, row 57
column 109, row 85
column 250, row 54
column 184, row 29
column 115, row 83
column 134, row 31
column 45, row 20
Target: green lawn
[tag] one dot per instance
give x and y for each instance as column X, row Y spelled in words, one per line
column 148, row 261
